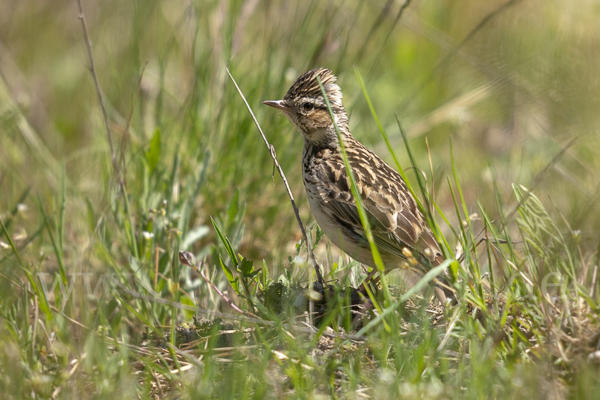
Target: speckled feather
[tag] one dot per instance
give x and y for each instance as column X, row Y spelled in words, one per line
column 396, row 221
column 307, row 86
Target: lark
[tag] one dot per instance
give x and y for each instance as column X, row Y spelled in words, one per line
column 400, row 230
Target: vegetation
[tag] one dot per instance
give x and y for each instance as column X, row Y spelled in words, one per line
column 490, row 108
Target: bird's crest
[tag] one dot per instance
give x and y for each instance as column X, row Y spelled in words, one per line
column 307, row 86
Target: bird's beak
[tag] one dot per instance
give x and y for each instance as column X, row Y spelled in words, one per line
column 278, row 104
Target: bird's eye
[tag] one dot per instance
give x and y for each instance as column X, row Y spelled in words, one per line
column 308, row 106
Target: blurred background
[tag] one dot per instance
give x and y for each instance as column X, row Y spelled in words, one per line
column 508, row 89
column 507, row 84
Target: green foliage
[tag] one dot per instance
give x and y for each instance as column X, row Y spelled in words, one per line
column 95, row 303
column 153, row 153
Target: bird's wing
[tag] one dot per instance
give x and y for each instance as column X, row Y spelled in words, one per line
column 395, row 219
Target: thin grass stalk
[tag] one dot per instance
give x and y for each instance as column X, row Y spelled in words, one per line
column 361, row 211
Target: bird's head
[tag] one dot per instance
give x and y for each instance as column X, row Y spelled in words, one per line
column 305, row 107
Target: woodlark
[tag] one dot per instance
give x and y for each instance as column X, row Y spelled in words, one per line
column 401, row 232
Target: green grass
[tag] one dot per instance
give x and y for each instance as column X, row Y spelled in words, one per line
column 95, row 303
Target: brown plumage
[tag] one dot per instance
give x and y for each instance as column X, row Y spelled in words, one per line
column 400, row 231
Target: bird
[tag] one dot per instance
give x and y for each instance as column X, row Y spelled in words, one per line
column 400, row 231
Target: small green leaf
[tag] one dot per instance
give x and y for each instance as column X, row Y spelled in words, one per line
column 320, row 234
column 153, row 153
column 246, row 267
column 226, row 243
column 265, row 274
column 253, row 273
column 232, row 281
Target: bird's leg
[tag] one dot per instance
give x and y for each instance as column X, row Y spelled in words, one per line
column 368, row 279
